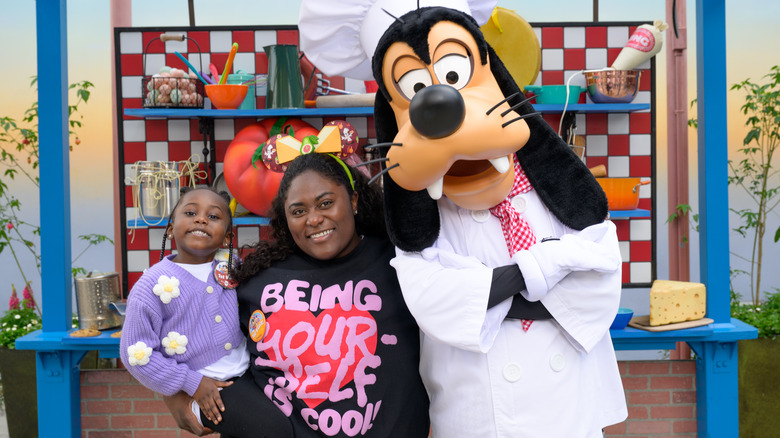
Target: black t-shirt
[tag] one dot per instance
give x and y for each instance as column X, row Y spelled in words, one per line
column 340, row 352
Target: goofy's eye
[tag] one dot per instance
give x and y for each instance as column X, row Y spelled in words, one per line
column 413, row 81
column 453, row 70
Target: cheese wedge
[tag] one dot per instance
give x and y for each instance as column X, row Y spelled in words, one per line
column 676, row 301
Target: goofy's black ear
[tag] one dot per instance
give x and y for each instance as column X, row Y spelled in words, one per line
column 563, row 182
column 412, row 218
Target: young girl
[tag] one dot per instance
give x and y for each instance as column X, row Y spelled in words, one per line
column 181, row 330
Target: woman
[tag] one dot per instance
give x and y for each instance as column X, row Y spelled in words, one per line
column 339, row 354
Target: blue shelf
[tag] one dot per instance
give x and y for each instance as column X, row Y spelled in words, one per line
column 186, row 113
column 635, row 213
column 631, row 338
column 592, row 107
column 157, row 222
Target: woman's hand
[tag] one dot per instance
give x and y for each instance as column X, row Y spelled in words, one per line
column 207, row 396
column 179, row 406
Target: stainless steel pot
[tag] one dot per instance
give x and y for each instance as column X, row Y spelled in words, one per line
column 98, row 300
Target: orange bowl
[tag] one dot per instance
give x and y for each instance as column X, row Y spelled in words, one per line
column 226, row 96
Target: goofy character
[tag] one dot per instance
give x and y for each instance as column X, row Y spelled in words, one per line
column 506, row 256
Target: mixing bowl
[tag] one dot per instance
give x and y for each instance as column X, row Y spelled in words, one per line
column 612, row 86
column 226, row 96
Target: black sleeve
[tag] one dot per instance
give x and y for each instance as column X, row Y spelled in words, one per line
column 507, row 282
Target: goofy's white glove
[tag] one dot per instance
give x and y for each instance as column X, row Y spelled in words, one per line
column 549, row 261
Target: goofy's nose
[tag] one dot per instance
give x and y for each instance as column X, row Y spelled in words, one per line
column 437, row 111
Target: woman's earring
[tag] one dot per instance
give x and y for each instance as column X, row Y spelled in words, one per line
column 356, row 212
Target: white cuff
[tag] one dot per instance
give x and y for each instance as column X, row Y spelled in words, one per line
column 535, row 283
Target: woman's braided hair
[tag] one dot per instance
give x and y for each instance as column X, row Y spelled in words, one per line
column 369, row 219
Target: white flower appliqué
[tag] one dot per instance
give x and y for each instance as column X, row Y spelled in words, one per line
column 174, row 343
column 167, row 288
column 138, row 354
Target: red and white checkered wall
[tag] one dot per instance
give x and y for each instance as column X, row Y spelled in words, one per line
column 624, row 142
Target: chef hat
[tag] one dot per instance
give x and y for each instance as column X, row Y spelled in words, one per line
column 340, row 36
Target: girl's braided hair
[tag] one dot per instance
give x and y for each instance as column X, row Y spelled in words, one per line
column 222, row 194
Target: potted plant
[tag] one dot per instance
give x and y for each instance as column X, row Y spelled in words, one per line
column 758, row 359
column 17, row 367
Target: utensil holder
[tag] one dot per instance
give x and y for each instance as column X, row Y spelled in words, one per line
column 94, row 296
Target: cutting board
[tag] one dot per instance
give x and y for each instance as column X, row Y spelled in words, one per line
column 643, row 322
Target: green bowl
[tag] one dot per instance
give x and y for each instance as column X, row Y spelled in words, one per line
column 555, row 93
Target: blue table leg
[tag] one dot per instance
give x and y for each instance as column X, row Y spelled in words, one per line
column 59, row 393
column 717, row 389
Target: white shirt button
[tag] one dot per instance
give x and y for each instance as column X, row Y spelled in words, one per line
column 557, row 362
column 519, row 203
column 209, row 289
column 480, row 215
column 218, row 318
column 512, row 372
column 228, row 346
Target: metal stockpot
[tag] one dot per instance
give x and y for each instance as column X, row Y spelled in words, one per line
column 97, row 299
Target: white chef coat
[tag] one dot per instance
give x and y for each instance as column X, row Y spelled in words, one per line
column 484, row 375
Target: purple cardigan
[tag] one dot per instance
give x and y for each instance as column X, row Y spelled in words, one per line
column 205, row 313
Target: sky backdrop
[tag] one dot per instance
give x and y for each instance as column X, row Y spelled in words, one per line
column 752, row 43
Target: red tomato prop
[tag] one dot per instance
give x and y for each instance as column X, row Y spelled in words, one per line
column 252, row 184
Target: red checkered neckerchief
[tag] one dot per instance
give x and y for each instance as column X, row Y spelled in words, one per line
column 517, row 232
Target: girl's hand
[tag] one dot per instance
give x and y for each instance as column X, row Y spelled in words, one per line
column 207, row 396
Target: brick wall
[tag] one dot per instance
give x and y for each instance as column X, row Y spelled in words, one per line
column 661, row 396
column 114, row 405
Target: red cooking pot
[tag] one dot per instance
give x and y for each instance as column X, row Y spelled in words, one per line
column 622, row 193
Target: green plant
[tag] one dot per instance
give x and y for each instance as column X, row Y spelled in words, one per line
column 765, row 316
column 19, row 319
column 19, row 157
column 754, row 173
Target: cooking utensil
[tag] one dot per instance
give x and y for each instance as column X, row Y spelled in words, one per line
column 515, row 43
column 612, row 86
column 622, row 193
column 95, row 295
column 207, row 77
column 229, row 63
column 190, row 66
column 214, row 72
column 599, row 171
column 226, row 96
column 346, row 100
column 284, row 85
